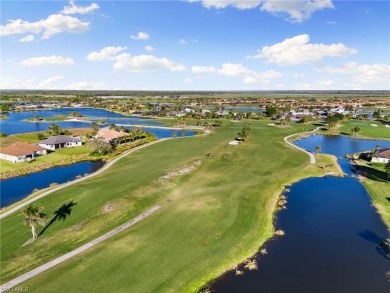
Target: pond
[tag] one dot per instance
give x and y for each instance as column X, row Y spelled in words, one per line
column 15, row 189
column 331, row 235
column 15, row 120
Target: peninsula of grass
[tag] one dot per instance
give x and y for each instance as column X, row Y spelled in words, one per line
column 375, row 181
column 55, row 118
column 212, row 218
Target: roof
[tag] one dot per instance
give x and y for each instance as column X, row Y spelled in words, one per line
column 110, row 133
column 20, row 149
column 383, row 153
column 59, row 139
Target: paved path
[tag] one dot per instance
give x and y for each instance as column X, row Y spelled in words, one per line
column 7, row 286
column 104, row 168
column 312, row 158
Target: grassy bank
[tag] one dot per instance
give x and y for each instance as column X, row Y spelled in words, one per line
column 375, row 181
column 212, row 218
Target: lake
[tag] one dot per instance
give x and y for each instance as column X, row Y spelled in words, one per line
column 331, row 235
column 17, row 188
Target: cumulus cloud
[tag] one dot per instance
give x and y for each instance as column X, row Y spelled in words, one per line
column 52, row 60
column 74, row 9
column 149, row 48
column 28, row 38
column 182, row 42
column 295, row 10
column 203, row 69
column 298, row 50
column 248, row 75
column 142, row 63
column 47, row 83
column 107, row 53
column 140, row 36
column 53, row 24
column 362, row 73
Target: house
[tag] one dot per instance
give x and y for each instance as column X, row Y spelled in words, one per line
column 20, row 152
column 382, row 156
column 110, row 135
column 59, row 142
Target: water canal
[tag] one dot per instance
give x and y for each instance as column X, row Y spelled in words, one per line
column 331, row 235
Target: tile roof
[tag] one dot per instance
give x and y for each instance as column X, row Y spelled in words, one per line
column 384, row 153
column 59, row 139
column 110, row 133
column 20, row 149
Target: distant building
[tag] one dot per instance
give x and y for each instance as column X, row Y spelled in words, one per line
column 382, row 156
column 20, row 152
column 59, row 142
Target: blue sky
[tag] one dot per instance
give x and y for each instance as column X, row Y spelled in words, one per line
column 195, row 45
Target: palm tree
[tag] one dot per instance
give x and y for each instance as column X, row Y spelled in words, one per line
column 318, row 148
column 355, row 130
column 33, row 216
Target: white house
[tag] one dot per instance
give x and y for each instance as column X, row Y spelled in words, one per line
column 20, row 152
column 59, row 142
column 382, row 156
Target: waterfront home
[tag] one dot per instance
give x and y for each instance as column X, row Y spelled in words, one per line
column 382, row 156
column 59, row 142
column 20, row 152
column 110, row 135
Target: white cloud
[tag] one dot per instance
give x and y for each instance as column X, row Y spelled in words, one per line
column 140, row 36
column 74, row 9
column 46, row 84
column 362, row 73
column 86, row 85
column 240, row 4
column 53, row 24
column 182, row 42
column 107, row 53
column 188, row 80
column 142, row 63
column 297, row 50
column 203, row 69
column 248, row 75
column 47, row 61
column 296, row 10
column 318, row 85
column 299, row 75
column 149, row 48
column 28, row 38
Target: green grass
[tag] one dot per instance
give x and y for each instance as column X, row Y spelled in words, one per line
column 53, row 157
column 55, row 118
column 378, row 187
column 367, row 131
column 212, row 218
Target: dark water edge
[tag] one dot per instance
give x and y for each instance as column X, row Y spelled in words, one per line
column 330, row 245
column 17, row 188
column 332, row 235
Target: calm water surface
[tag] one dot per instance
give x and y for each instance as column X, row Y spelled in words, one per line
column 15, row 189
column 331, row 236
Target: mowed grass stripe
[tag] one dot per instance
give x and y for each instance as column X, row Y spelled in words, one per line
column 212, row 218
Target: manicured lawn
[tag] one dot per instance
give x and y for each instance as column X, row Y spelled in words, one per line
column 367, row 131
column 212, row 218
column 53, row 157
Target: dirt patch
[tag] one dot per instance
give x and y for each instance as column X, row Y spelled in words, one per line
column 78, row 226
column 108, row 208
column 182, row 171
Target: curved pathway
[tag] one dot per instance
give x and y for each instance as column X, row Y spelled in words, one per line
column 7, row 286
column 104, row 168
column 312, row 158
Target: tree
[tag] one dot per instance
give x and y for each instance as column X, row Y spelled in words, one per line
column 174, row 134
column 387, row 170
column 95, row 128
column 36, row 117
column 55, row 129
column 245, row 132
column 271, row 111
column 355, row 130
column 5, row 107
column 34, row 216
column 317, row 148
column 113, row 127
column 2, row 134
column 40, row 136
column 99, row 145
